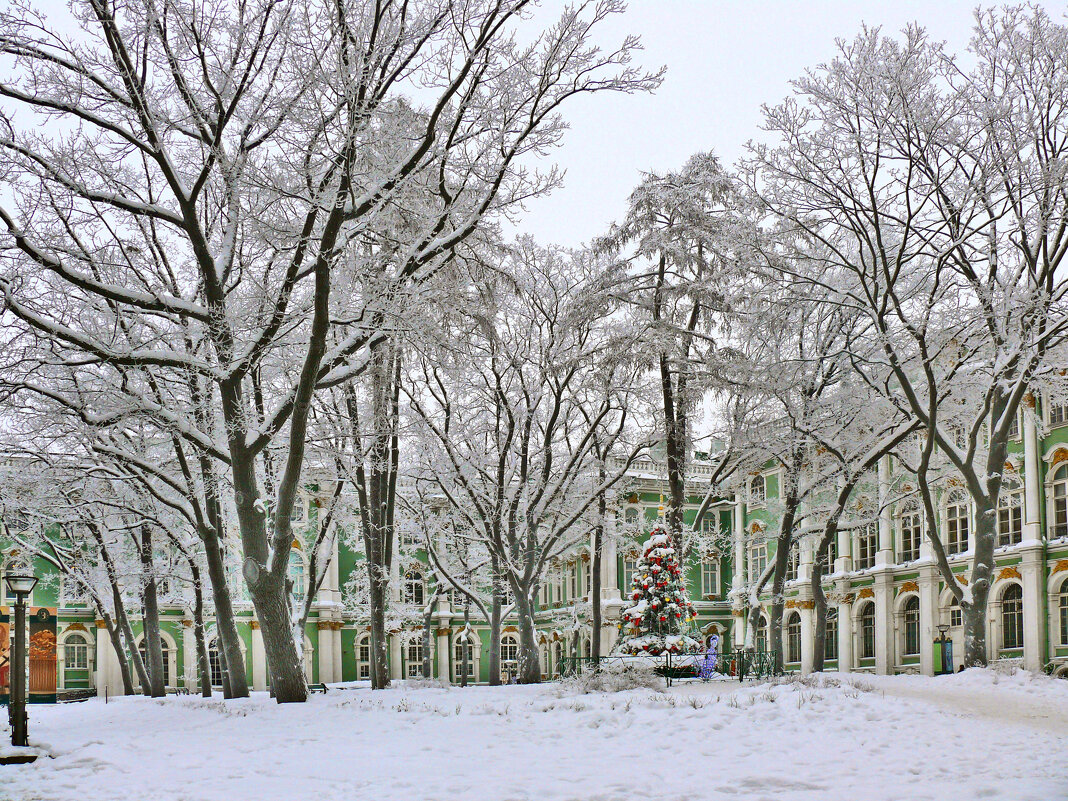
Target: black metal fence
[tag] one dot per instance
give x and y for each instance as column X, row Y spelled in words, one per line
column 673, row 667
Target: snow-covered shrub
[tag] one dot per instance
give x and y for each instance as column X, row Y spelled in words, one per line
column 614, row 677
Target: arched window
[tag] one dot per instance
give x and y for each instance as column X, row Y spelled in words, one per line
column 415, row 659
column 630, row 516
column 1012, row 617
column 458, row 660
column 509, row 649
column 911, row 527
column 830, row 643
column 1010, row 514
column 296, row 574
column 867, row 631
column 912, row 626
column 758, row 490
column 215, row 663
column 166, row 660
column 958, row 522
column 793, row 638
column 1059, row 501
column 413, row 588
column 76, row 652
column 363, row 657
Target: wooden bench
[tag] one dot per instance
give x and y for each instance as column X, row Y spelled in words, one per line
column 317, row 688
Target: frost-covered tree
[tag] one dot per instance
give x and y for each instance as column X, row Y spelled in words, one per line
column 938, row 195
column 185, row 187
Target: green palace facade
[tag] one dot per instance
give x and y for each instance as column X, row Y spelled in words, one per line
column 887, row 599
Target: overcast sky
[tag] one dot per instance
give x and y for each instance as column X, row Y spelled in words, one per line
column 724, row 60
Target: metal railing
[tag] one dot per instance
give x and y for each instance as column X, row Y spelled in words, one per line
column 730, row 664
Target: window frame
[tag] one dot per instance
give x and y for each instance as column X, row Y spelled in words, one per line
column 910, row 625
column 1012, row 607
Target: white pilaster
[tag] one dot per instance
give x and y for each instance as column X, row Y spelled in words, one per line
column 885, row 554
column 325, row 652
column 189, row 656
column 928, row 583
column 807, row 627
column 259, row 659
column 884, row 623
column 1032, row 474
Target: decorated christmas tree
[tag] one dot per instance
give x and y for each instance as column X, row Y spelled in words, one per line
column 659, row 619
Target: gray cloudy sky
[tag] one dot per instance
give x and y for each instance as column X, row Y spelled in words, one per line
column 724, row 59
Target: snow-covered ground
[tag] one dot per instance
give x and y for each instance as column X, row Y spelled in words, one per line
column 975, row 735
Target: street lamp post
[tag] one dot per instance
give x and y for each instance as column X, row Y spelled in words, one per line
column 942, row 629
column 20, row 586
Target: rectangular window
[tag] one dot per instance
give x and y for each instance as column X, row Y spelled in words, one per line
column 758, row 560
column 76, row 655
column 956, row 617
column 1010, row 519
column 574, row 571
column 710, row 576
column 791, row 564
column 867, row 633
column 1058, row 413
column 415, row 660
column 867, row 545
column 458, row 667
column 830, row 644
column 957, row 524
column 629, row 566
column 1014, row 427
column 911, row 534
column 364, row 660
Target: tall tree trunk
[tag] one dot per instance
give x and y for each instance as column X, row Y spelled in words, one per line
column 975, row 613
column 157, row 686
column 595, row 570
column 198, row 628
column 782, row 562
column 120, row 653
column 466, row 661
column 495, row 637
column 228, row 643
column 529, row 661
column 379, row 590
column 133, row 654
column 819, row 632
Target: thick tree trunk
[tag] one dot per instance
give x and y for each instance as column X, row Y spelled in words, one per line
column 495, row 640
column 157, row 682
column 782, row 562
column 229, row 643
column 267, row 586
column 379, row 589
column 529, row 662
column 975, row 629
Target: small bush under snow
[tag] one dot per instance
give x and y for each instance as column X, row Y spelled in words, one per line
column 614, row 677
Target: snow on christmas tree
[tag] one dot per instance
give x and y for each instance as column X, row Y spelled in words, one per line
column 659, row 620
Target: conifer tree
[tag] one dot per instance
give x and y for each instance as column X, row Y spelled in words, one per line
column 660, row 617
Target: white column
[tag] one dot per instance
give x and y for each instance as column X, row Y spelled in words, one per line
column 325, row 652
column 884, row 623
column 104, row 656
column 259, row 659
column 845, row 638
column 739, row 564
column 335, row 635
column 885, row 555
column 844, row 562
column 1032, row 473
column 1031, row 570
column 396, row 666
column 808, row 616
column 610, row 559
column 443, row 654
column 929, row 612
column 189, row 656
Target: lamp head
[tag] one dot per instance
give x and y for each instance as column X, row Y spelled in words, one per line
column 943, row 628
column 20, row 583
